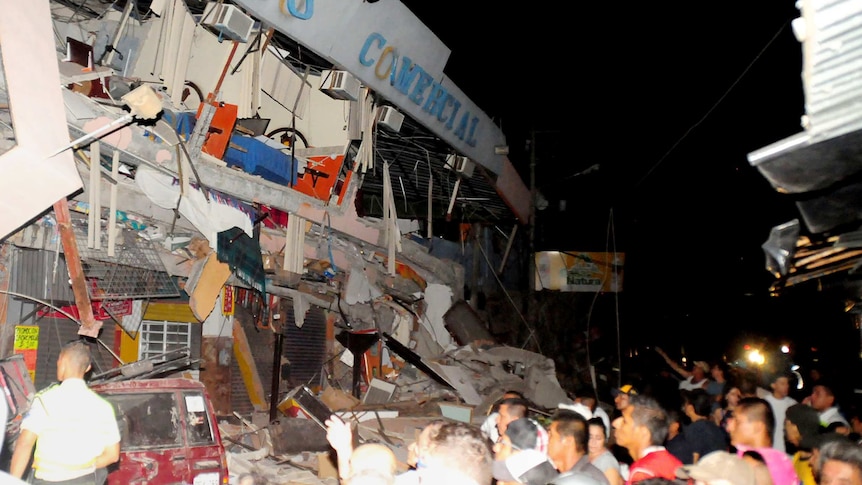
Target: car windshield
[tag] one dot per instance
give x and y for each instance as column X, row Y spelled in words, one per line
column 147, row 420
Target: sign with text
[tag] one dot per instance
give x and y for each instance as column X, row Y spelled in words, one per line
column 579, row 271
column 27, row 344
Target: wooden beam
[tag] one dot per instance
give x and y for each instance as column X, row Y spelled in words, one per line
column 247, row 368
column 89, row 326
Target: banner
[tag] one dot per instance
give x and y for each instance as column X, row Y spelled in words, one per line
column 27, row 344
column 579, row 271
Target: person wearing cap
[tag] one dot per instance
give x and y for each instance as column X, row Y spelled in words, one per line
column 801, row 427
column 780, row 400
column 751, row 428
column 568, row 447
column 694, row 379
column 642, row 429
column 720, row 468
column 517, row 459
column 622, row 395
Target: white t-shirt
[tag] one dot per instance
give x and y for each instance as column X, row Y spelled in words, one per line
column 687, row 385
column 779, row 409
column 489, row 427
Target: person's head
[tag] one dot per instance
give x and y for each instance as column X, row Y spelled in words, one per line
column 718, row 371
column 747, row 384
column 801, row 426
column 752, row 423
column 373, row 456
column 456, row 453
column 840, row 463
column 819, row 443
column 697, row 403
column 568, row 437
column 674, row 423
column 643, row 424
column 732, row 397
column 622, row 396
column 586, row 395
column 699, row 370
column 419, row 447
column 521, row 434
column 822, row 396
column 510, row 409
column 598, row 438
column 780, row 385
column 73, row 361
column 718, row 468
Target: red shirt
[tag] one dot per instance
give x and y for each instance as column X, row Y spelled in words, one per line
column 658, row 463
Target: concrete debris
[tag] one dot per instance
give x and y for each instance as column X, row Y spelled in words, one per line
column 478, row 377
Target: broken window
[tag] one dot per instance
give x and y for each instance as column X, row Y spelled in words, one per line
column 198, row 423
column 147, row 420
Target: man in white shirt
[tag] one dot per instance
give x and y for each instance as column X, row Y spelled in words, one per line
column 823, row 400
column 489, row 426
column 779, row 400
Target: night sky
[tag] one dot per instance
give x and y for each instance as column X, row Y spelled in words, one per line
column 668, row 99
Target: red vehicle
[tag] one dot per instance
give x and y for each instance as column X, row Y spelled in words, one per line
column 169, row 433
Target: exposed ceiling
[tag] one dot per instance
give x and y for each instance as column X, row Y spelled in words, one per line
column 415, row 156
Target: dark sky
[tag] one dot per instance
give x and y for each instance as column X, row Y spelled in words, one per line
column 668, row 99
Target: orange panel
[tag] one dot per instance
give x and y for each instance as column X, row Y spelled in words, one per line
column 320, row 176
column 221, row 128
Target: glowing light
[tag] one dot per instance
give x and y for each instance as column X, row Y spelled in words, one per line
column 794, row 367
column 755, row 357
column 785, row 349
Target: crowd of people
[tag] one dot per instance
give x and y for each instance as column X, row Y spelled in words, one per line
column 717, row 426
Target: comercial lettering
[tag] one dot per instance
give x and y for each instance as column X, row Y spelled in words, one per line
column 288, row 7
column 418, row 86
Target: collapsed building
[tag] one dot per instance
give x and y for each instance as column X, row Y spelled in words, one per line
column 251, row 197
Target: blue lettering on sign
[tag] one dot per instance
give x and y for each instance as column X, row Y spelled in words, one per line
column 293, row 10
column 418, row 86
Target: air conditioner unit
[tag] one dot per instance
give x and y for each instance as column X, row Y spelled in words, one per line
column 390, row 117
column 462, row 165
column 227, row 21
column 340, row 85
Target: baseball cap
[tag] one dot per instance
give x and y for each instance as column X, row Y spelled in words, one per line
column 719, row 465
column 528, row 467
column 523, row 433
column 626, row 389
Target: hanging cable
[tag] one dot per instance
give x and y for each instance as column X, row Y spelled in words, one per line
column 532, row 334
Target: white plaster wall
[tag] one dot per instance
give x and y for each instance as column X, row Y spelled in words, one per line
column 217, row 324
